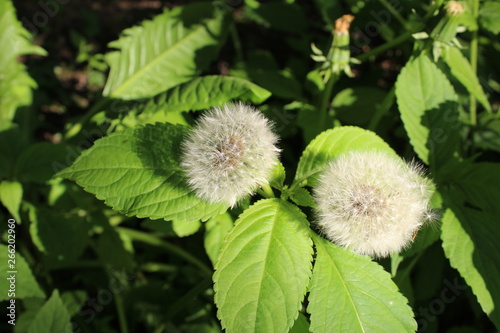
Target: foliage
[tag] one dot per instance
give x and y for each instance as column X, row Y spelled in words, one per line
column 109, row 236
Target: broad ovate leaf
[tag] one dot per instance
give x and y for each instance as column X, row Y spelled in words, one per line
column 470, row 232
column 351, row 293
column 263, row 269
column 428, row 106
column 137, row 172
column 164, row 52
column 329, row 144
column 489, row 16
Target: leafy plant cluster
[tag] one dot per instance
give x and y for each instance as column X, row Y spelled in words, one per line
column 110, row 237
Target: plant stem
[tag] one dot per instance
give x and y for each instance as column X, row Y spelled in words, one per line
column 325, row 102
column 386, row 46
column 473, row 62
column 236, row 41
column 77, row 127
column 267, row 191
column 155, row 241
column 382, row 109
column 122, row 318
column 395, row 13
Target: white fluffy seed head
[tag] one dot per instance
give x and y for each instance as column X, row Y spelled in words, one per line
column 229, row 153
column 372, row 202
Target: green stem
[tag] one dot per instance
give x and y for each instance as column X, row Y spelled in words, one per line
column 266, row 191
column 473, row 62
column 384, row 47
column 236, row 41
column 395, row 13
column 382, row 109
column 155, row 241
column 120, row 309
column 77, row 127
column 325, row 102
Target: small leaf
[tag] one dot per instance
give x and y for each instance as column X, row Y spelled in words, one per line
column 489, row 16
column 52, row 317
column 278, row 176
column 183, row 228
column 462, row 70
column 164, row 52
column 351, row 293
column 329, row 144
column 470, row 232
column 427, row 103
column 26, row 285
column 216, row 230
column 11, row 195
column 263, row 269
column 302, row 197
column 137, row 172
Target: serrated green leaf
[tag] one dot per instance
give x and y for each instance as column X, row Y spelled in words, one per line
column 216, row 230
column 164, row 52
column 427, row 103
column 15, row 83
column 302, row 197
column 26, row 285
column 11, row 195
column 183, row 228
column 263, row 269
column 462, row 70
column 137, row 172
column 278, row 176
column 52, row 317
column 351, row 293
column 330, row 144
column 208, row 91
column 489, row 16
column 470, row 232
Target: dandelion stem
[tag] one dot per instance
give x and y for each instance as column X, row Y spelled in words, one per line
column 266, row 191
column 325, row 103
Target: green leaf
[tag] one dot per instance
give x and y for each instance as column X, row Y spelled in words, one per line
column 110, row 248
column 11, row 195
column 46, row 229
column 15, row 83
column 52, row 317
column 302, row 197
column 263, row 269
column 216, row 230
column 329, row 144
column 183, row 228
column 208, row 91
column 489, row 16
column 26, row 285
column 351, row 293
column 278, row 176
column 470, row 232
column 137, row 172
column 356, row 106
column 427, row 103
column 462, row 70
column 164, row 52
column 301, row 325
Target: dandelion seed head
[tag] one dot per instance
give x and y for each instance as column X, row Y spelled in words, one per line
column 372, row 202
column 229, row 153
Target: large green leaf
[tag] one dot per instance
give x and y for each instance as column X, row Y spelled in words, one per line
column 137, row 172
column 351, row 293
column 212, row 90
column 489, row 16
column 470, row 232
column 52, row 317
column 462, row 70
column 26, row 285
column 15, row 83
column 427, row 103
column 330, row 144
column 164, row 52
column 263, row 269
